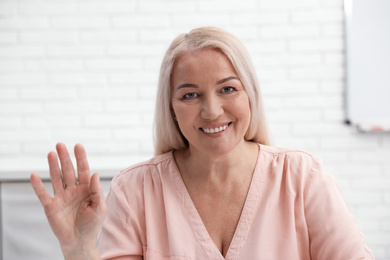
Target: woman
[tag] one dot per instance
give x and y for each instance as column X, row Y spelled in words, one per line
column 215, row 190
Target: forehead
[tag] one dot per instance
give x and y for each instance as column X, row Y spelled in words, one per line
column 202, row 63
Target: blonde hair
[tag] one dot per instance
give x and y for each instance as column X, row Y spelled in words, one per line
column 166, row 132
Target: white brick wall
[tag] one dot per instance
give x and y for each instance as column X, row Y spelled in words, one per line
column 86, row 71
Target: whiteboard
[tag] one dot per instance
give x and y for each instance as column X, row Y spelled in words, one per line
column 368, row 64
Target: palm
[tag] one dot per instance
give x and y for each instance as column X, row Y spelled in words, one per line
column 77, row 210
column 71, row 214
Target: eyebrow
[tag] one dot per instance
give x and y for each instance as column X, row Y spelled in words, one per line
column 219, row 82
column 187, row 85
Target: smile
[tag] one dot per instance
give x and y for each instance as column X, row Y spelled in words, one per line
column 215, row 130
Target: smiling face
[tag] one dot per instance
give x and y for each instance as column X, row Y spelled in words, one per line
column 209, row 102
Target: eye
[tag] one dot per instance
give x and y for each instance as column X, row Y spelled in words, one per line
column 227, row 89
column 190, row 95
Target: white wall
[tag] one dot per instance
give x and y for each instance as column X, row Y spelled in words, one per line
column 86, row 71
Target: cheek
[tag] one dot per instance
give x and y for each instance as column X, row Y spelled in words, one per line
column 182, row 113
column 243, row 112
column 243, row 106
column 177, row 110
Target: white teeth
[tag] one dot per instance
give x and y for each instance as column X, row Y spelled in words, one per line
column 215, row 130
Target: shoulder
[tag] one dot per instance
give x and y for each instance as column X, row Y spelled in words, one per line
column 130, row 186
column 290, row 155
column 293, row 162
column 139, row 171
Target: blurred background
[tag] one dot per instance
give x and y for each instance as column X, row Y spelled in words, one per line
column 86, row 72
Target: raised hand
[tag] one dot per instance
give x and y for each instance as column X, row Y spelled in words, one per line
column 77, row 210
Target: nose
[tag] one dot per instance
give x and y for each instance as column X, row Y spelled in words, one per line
column 212, row 108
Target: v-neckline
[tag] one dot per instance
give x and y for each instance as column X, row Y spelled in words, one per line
column 196, row 222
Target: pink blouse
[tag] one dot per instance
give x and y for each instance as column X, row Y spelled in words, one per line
column 293, row 210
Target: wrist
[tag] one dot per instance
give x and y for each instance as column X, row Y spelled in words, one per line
column 80, row 252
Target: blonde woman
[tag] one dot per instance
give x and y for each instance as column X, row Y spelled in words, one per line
column 215, row 189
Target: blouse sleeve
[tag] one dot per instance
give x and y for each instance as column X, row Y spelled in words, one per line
column 120, row 237
column 333, row 230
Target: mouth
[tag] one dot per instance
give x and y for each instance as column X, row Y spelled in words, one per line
column 215, row 130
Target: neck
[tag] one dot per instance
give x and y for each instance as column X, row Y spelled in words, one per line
column 201, row 167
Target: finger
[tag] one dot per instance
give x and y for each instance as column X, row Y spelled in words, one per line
column 68, row 173
column 82, row 164
column 97, row 195
column 55, row 173
column 40, row 190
